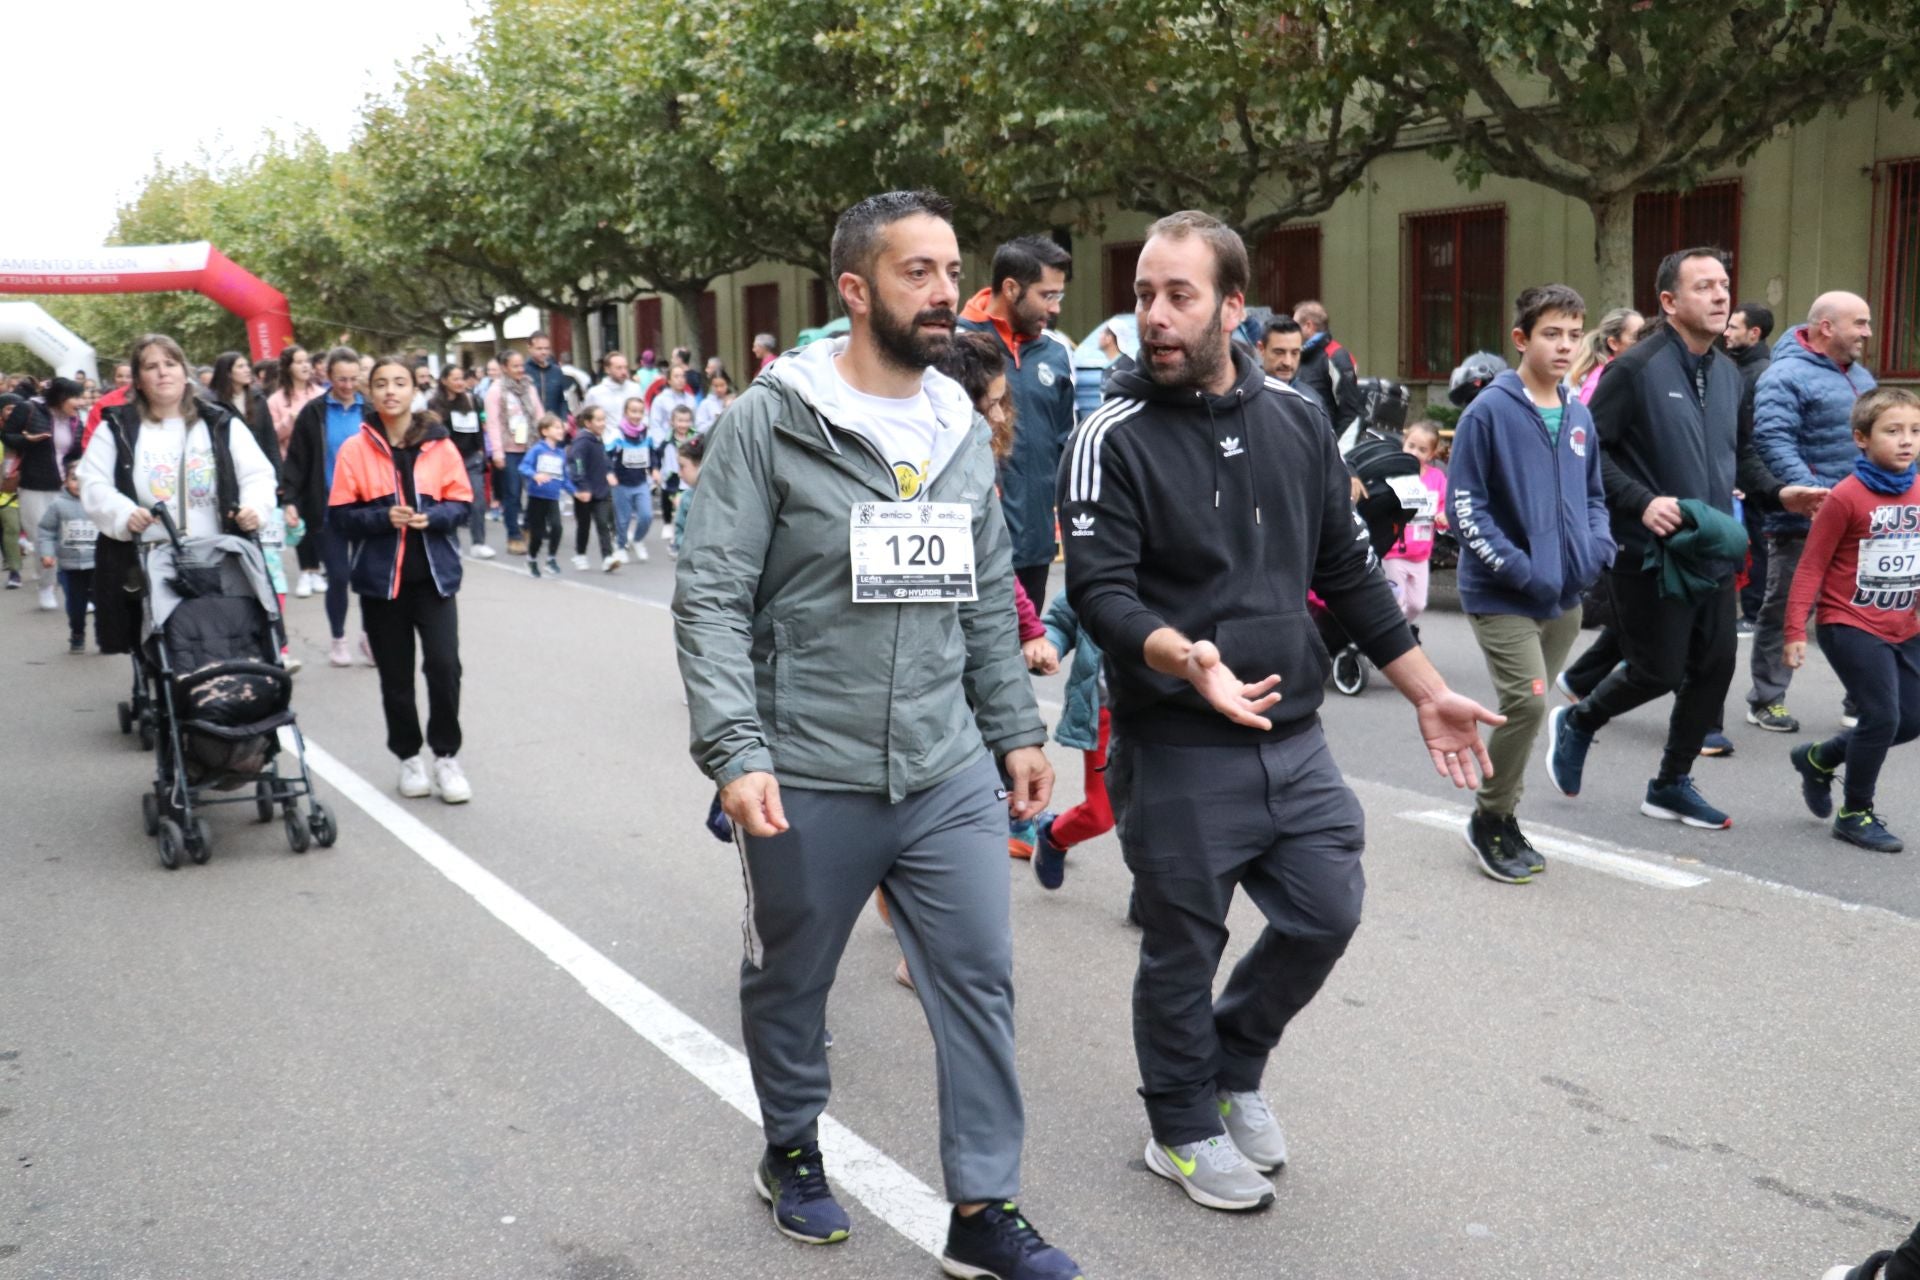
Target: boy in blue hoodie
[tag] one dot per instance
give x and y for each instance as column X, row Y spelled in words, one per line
column 1530, row 514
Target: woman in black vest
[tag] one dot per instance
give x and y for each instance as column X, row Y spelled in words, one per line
column 164, row 445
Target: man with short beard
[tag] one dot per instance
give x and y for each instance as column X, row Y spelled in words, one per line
column 843, row 608
column 1201, row 503
column 1019, row 308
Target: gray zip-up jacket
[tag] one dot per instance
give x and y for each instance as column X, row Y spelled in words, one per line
column 784, row 673
column 66, row 533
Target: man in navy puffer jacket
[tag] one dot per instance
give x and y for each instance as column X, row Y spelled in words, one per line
column 1801, row 407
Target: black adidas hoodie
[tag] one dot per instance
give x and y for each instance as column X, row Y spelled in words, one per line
column 1215, row 515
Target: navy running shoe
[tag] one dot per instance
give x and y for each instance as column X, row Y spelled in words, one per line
column 1863, row 829
column 1049, row 859
column 1566, row 752
column 1681, row 801
column 998, row 1243
column 1718, row 746
column 1816, row 781
column 794, row 1182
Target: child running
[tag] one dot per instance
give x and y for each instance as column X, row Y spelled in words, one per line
column 592, row 482
column 1861, row 571
column 545, row 469
column 667, row 470
column 1406, row 564
column 631, row 479
column 1085, row 725
column 66, row 536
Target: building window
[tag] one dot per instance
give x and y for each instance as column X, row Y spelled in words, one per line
column 646, row 326
column 1286, row 267
column 709, row 326
column 1666, row 221
column 1121, row 260
column 1896, row 250
column 760, row 310
column 1456, row 288
column 560, row 333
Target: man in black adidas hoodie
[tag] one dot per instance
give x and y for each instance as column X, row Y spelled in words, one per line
column 1201, row 503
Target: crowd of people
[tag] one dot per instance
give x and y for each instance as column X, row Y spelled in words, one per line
column 919, row 472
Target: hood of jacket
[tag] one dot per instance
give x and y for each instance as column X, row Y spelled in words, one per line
column 1793, row 346
column 810, row 374
column 979, row 311
column 1225, row 414
column 1746, row 357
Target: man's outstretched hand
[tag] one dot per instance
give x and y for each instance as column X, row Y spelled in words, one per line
column 1225, row 692
column 1450, row 722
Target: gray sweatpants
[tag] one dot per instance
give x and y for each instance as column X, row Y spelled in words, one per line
column 940, row 857
column 1275, row 820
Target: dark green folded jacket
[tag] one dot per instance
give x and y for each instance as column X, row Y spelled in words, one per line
column 1703, row 553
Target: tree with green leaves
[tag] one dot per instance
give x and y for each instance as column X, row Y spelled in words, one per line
column 1602, row 101
column 1258, row 111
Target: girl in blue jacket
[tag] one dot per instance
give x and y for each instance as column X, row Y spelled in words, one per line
column 545, row 468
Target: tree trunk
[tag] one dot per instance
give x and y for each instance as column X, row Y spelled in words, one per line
column 1612, row 252
column 499, row 337
column 687, row 298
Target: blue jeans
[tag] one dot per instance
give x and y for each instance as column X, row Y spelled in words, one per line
column 477, row 515
column 631, row 502
column 77, row 586
column 333, row 553
column 512, row 485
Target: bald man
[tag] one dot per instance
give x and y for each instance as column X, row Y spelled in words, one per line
column 1801, row 408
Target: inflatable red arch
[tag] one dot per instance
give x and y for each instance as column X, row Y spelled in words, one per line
column 161, row 268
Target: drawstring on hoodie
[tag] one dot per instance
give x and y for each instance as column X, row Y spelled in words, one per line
column 1246, row 436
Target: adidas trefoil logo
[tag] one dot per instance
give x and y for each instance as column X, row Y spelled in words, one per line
column 1230, row 447
column 1083, row 526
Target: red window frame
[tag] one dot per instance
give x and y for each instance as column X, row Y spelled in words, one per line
column 1286, row 266
column 709, row 325
column 1118, row 262
column 759, row 313
column 1896, row 267
column 1664, row 221
column 1455, row 270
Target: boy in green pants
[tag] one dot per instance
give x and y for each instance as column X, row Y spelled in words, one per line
column 1528, row 509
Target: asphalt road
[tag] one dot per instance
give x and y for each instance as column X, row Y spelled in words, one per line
column 356, row 1062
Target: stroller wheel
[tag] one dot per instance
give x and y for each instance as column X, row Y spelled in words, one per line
column 147, row 737
column 172, row 843
column 263, row 800
column 298, row 838
column 125, row 712
column 200, row 842
column 325, row 832
column 150, row 813
column 1350, row 672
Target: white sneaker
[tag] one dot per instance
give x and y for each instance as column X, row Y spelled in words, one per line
column 413, row 778
column 47, row 600
column 620, row 554
column 451, row 781
column 339, row 654
column 291, row 663
column 640, row 551
column 366, row 649
column 579, row 562
column 483, row 552
column 610, row 564
column 303, row 588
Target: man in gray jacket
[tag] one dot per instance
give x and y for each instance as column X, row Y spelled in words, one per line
column 844, row 616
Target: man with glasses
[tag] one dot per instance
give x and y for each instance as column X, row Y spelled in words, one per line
column 1023, row 303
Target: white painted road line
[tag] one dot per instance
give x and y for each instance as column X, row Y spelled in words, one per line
column 888, row 1191
column 1565, row 848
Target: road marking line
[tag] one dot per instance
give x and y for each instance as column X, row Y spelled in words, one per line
column 565, row 581
column 1567, row 849
column 888, row 1191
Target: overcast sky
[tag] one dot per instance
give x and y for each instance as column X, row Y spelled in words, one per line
column 95, row 92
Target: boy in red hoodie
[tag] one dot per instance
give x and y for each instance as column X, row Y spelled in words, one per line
column 1862, row 567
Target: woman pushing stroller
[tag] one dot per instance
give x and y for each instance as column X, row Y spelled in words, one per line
column 165, row 445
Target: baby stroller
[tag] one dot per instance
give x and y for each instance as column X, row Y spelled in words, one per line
column 218, row 696
column 1395, row 494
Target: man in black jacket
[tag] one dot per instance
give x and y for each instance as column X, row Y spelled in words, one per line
column 1746, row 341
column 1326, row 369
column 550, row 382
column 1669, row 418
column 1200, row 503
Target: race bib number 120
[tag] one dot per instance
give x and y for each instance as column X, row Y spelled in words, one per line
column 912, row 552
